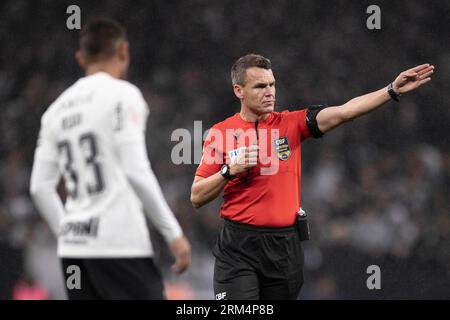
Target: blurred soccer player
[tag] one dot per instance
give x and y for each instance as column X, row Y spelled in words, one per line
column 93, row 136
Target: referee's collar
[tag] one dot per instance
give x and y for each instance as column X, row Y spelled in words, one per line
column 267, row 120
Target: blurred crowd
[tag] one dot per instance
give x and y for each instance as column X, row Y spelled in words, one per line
column 376, row 190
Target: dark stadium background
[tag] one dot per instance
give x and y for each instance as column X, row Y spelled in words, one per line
column 377, row 189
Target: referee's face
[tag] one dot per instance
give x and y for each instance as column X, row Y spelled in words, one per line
column 258, row 91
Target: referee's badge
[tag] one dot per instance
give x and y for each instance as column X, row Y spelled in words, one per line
column 283, row 149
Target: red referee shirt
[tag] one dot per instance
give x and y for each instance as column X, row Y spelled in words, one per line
column 269, row 194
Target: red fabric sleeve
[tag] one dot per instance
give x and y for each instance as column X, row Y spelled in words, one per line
column 300, row 119
column 212, row 157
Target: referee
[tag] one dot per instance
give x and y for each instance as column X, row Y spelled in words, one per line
column 254, row 156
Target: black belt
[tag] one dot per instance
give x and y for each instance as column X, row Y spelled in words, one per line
column 251, row 227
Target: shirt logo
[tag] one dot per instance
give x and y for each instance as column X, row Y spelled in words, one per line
column 221, row 296
column 283, row 149
column 87, row 228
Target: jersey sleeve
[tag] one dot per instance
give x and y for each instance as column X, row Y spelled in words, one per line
column 45, row 176
column 299, row 117
column 135, row 163
column 46, row 146
column 212, row 157
column 130, row 117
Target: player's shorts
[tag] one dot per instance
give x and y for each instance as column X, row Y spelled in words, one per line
column 112, row 279
column 257, row 263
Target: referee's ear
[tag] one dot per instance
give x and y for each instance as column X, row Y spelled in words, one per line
column 237, row 88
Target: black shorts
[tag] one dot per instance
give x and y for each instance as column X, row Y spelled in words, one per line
column 118, row 278
column 255, row 263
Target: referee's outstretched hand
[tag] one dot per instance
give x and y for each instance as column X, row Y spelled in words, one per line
column 181, row 249
column 413, row 78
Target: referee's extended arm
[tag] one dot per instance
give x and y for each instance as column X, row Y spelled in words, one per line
column 207, row 189
column 330, row 118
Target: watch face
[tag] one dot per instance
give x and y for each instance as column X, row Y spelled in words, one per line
column 224, row 169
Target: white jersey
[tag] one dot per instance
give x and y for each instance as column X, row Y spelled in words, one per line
column 83, row 131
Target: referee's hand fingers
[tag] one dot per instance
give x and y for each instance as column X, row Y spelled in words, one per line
column 242, row 157
column 420, row 67
column 252, row 161
column 253, row 155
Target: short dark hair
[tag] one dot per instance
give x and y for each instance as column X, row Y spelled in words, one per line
column 99, row 38
column 239, row 68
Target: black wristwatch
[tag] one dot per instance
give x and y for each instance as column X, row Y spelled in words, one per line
column 394, row 95
column 225, row 172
